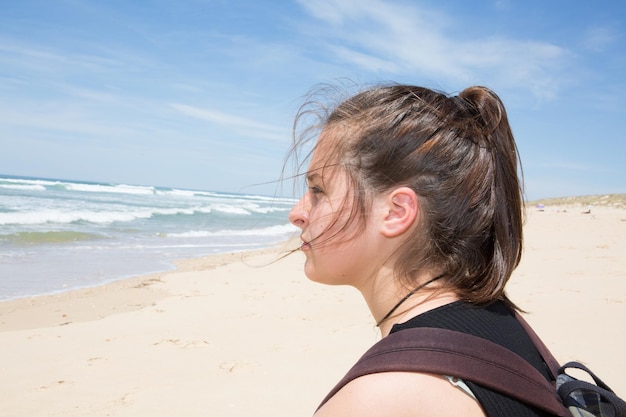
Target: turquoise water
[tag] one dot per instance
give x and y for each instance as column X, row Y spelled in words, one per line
column 57, row 235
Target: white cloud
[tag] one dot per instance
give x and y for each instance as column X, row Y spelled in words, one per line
column 242, row 125
column 598, row 38
column 502, row 4
column 369, row 62
column 95, row 59
column 404, row 39
column 60, row 118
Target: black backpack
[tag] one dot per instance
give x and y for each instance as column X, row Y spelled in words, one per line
column 448, row 352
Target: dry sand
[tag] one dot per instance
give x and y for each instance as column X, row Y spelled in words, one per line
column 241, row 335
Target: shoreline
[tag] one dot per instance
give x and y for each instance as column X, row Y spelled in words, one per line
column 217, row 328
column 117, row 296
column 236, row 334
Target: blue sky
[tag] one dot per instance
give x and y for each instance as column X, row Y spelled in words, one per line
column 201, row 93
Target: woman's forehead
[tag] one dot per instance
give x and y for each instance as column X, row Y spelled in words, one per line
column 326, row 151
column 321, row 154
column 324, row 166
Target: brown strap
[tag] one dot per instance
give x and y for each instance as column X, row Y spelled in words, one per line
column 548, row 358
column 447, row 352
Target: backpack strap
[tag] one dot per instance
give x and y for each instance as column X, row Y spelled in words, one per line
column 569, row 387
column 447, row 352
column 579, row 394
column 552, row 364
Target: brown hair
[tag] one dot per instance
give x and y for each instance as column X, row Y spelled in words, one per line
column 459, row 156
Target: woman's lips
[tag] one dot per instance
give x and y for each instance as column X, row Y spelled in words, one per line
column 305, row 245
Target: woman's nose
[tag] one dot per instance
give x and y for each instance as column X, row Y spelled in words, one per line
column 299, row 215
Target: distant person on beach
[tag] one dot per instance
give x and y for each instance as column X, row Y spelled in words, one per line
column 413, row 198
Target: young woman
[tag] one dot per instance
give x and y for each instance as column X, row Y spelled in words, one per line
column 414, row 199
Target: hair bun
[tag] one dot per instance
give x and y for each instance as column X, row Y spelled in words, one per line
column 486, row 107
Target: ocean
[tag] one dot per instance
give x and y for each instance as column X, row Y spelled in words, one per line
column 57, row 235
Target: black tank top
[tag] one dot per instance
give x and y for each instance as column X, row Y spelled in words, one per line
column 497, row 324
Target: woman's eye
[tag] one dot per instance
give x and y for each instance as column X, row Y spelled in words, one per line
column 315, row 190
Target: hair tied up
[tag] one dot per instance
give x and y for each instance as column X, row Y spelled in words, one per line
column 484, row 106
column 461, row 103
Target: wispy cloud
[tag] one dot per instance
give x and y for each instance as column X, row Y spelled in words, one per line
column 61, row 118
column 598, row 38
column 502, row 4
column 242, row 125
column 364, row 60
column 406, row 39
column 88, row 59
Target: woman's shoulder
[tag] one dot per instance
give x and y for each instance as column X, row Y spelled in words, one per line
column 400, row 394
column 487, row 322
column 496, row 323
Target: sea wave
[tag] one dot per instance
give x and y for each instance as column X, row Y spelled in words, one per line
column 267, row 210
column 54, row 216
column 42, row 184
column 89, row 187
column 277, row 230
column 36, row 238
column 28, row 187
column 178, row 193
column 105, row 188
column 223, row 208
column 66, row 216
column 257, row 199
column 113, row 230
column 29, row 181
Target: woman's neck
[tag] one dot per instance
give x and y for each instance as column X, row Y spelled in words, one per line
column 421, row 304
column 391, row 303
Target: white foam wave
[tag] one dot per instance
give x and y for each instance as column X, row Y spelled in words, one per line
column 266, row 210
column 285, row 200
column 27, row 181
column 240, row 198
column 56, row 216
column 207, row 194
column 66, row 215
column 190, row 193
column 27, row 187
column 176, row 192
column 223, row 208
column 277, row 230
column 74, row 216
column 247, row 208
column 101, row 188
column 78, row 186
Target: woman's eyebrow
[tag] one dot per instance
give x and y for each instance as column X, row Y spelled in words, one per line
column 311, row 176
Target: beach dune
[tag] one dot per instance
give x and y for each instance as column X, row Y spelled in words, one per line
column 247, row 334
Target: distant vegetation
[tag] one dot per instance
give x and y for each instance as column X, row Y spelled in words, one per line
column 603, row 200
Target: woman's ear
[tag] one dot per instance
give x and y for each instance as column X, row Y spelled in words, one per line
column 402, row 210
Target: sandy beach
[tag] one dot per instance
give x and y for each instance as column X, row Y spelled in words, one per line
column 246, row 334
